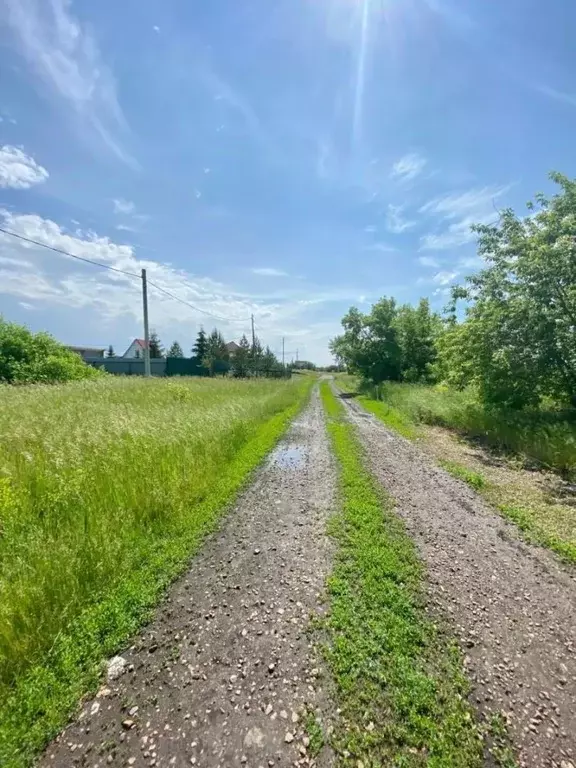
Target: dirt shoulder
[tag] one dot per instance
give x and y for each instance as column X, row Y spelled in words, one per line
column 511, row 605
column 225, row 672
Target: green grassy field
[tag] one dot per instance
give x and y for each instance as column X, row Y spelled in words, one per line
column 400, row 688
column 106, row 488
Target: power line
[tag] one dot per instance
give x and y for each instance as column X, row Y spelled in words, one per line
column 122, row 272
column 67, row 253
column 197, row 309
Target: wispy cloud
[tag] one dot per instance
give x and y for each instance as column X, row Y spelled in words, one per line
column 444, row 277
column 408, row 167
column 124, row 206
column 269, row 272
column 395, row 222
column 18, row 170
column 553, row 93
column 460, row 211
column 428, row 261
column 67, row 62
column 382, row 247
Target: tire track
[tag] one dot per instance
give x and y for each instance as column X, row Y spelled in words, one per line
column 512, row 605
column 224, row 673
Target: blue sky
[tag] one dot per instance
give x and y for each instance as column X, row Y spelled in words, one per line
column 287, row 159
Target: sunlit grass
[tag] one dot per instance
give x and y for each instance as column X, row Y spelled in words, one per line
column 101, row 481
column 544, row 437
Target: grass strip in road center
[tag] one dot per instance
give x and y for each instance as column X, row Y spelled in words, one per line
column 399, row 682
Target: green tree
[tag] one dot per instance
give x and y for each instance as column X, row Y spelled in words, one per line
column 369, row 345
column 200, row 347
column 28, row 358
column 520, row 325
column 216, row 358
column 111, row 352
column 270, row 362
column 256, row 356
column 175, row 350
column 418, row 329
column 156, row 348
column 241, row 362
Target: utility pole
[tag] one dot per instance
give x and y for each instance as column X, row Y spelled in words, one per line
column 253, row 335
column 147, row 371
column 296, row 355
column 283, row 364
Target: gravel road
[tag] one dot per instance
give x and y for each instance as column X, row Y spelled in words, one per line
column 224, row 674
column 512, row 606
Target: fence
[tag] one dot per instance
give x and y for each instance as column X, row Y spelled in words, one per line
column 172, row 366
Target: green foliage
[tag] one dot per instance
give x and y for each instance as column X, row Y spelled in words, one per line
column 99, row 510
column 399, row 683
column 241, row 362
column 200, row 348
column 546, row 437
column 175, row 350
column 519, row 337
column 156, row 348
column 216, row 358
column 30, row 358
column 390, row 343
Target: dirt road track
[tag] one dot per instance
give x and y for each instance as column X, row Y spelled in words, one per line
column 223, row 674
column 513, row 605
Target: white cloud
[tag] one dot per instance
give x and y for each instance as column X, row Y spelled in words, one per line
column 460, row 210
column 126, row 228
column 408, row 167
column 553, row 93
column 18, row 170
column 124, row 206
column 112, row 300
column 269, row 272
column 444, row 278
column 428, row 261
column 394, row 220
column 10, row 262
column 370, row 229
column 156, row 28
column 66, row 59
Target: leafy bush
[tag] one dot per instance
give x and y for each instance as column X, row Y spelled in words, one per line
column 28, row 358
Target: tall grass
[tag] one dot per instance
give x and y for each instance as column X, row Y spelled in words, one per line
column 547, row 437
column 106, row 479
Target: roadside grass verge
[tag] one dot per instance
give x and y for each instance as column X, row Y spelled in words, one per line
column 543, row 437
column 392, row 417
column 517, row 493
column 106, row 490
column 399, row 682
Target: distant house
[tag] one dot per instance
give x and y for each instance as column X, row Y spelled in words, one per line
column 136, row 349
column 232, row 348
column 87, row 352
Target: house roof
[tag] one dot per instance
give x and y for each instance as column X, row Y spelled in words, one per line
column 232, row 346
column 139, row 342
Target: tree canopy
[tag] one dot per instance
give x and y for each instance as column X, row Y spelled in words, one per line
column 515, row 342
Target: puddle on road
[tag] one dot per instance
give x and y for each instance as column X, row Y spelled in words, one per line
column 290, row 457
